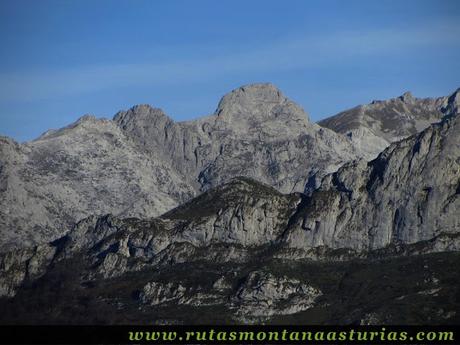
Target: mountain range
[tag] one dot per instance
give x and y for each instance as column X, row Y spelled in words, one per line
column 252, row 214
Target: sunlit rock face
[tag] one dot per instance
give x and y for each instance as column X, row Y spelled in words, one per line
column 369, row 242
column 408, row 194
column 372, row 127
column 143, row 164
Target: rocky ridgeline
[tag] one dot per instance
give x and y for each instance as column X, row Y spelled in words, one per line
column 405, row 202
column 408, row 194
column 368, row 242
column 143, row 164
column 372, row 127
column 87, row 168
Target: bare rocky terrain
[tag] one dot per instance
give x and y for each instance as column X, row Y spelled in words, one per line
column 207, row 231
column 408, row 194
column 143, row 164
column 372, row 127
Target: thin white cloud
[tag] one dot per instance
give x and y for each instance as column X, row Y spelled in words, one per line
column 288, row 54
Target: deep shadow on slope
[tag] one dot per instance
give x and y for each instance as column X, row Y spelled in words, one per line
column 407, row 290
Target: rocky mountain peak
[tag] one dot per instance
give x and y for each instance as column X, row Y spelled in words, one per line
column 374, row 126
column 143, row 163
column 407, row 97
column 262, row 108
column 85, row 121
column 453, row 103
column 86, row 118
column 382, row 234
column 84, row 125
column 141, row 113
column 250, row 94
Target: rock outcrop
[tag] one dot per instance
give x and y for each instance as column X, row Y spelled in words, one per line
column 408, row 194
column 372, row 127
column 90, row 167
column 263, row 295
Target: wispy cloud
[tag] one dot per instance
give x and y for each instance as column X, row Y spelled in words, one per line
column 287, row 54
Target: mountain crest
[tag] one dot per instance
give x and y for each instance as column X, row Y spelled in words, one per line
column 260, row 107
column 251, row 94
column 374, row 126
column 407, row 97
column 453, row 103
column 140, row 112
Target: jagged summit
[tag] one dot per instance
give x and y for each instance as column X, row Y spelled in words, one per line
column 142, row 163
column 251, row 253
column 145, row 110
column 83, row 124
column 372, row 127
column 247, row 97
column 407, row 97
column 236, row 249
column 259, row 103
column 409, row 193
column 140, row 116
column 86, row 117
column 252, row 93
column 452, row 104
column 236, row 195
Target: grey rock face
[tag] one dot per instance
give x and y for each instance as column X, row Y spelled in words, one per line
column 255, row 132
column 409, row 193
column 372, row 127
column 157, row 293
column 406, row 201
column 90, row 167
column 263, row 295
column 22, row 265
column 143, row 164
column 99, row 166
column 243, row 213
column 241, row 250
column 162, row 293
column 184, row 281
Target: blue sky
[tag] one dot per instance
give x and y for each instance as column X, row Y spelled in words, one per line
column 62, row 59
